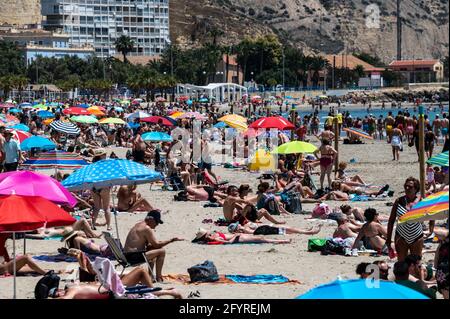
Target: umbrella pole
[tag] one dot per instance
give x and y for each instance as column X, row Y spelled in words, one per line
column 24, row 244
column 14, row 264
column 115, row 216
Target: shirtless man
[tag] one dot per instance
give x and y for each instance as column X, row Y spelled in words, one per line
column 437, row 128
column 235, row 208
column 129, row 200
column 141, row 239
column 372, row 233
column 326, row 134
column 345, row 228
column 139, row 147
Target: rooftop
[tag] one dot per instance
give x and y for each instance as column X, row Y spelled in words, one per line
column 416, row 63
column 138, row 59
column 351, row 62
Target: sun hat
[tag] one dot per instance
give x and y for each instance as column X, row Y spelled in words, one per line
column 200, row 234
column 99, row 152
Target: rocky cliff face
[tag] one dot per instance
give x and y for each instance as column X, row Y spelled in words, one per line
column 331, row 26
column 20, row 12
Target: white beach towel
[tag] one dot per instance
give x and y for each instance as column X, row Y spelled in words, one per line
column 108, row 276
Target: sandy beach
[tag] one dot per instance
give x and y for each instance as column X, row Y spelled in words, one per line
column 373, row 162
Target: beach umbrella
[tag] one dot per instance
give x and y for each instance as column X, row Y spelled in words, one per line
column 45, row 114
column 40, row 106
column 183, row 98
column 359, row 289
column 160, row 99
column 65, row 127
column 108, row 173
column 112, row 120
column 118, row 109
column 133, row 125
column 193, row 115
column 262, row 161
column 358, row 132
column 276, row 122
column 76, row 111
column 176, row 114
column 47, row 121
column 55, row 159
column 6, row 105
column 84, row 119
column 157, row 120
column 157, row 137
column 20, row 127
column 9, row 119
column 37, row 142
column 25, row 105
column 295, row 147
column 203, row 100
column 20, row 135
column 433, row 207
column 189, row 102
column 171, row 120
column 439, row 160
column 137, row 115
column 220, row 125
column 14, row 110
column 28, row 183
column 27, row 213
column 94, row 110
column 236, row 124
column 250, row 133
column 233, row 117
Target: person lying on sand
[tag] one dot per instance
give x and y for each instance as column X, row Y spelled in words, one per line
column 24, row 265
column 257, row 229
column 372, row 233
column 342, row 176
column 340, row 191
column 129, row 200
column 80, row 225
column 205, row 193
column 217, row 238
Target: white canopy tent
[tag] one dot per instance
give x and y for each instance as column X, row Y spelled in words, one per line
column 220, row 92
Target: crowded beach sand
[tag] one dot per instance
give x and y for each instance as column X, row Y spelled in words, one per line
column 372, row 161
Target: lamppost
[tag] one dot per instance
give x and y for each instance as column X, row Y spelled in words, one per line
column 283, row 93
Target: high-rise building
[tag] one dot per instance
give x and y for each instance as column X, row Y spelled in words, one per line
column 101, row 22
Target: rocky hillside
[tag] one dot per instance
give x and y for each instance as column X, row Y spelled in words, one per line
column 20, row 12
column 331, row 26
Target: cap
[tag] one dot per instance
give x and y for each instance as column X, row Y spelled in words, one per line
column 155, row 215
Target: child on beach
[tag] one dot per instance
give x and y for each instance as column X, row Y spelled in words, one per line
column 431, row 182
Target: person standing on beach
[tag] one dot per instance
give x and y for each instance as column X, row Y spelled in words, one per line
column 396, row 142
column 389, row 126
column 11, row 153
column 327, row 156
column 437, row 128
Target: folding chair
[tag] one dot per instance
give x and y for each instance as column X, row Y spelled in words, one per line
column 116, row 248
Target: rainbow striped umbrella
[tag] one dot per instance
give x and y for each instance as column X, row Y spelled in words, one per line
column 433, row 207
column 439, row 160
column 55, row 159
column 358, row 132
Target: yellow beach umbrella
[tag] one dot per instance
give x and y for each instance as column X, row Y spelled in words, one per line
column 111, row 120
column 176, row 114
column 95, row 111
column 262, row 161
column 295, row 147
column 47, row 121
column 233, row 117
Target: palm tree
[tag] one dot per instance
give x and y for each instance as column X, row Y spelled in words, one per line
column 215, row 33
column 318, row 64
column 6, row 84
column 19, row 82
column 124, row 45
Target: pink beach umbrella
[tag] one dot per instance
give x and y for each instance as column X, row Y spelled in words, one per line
column 28, row 183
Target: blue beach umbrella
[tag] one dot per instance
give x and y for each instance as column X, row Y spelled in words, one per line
column 45, row 114
column 362, row 289
column 157, row 137
column 221, row 125
column 203, row 100
column 25, row 104
column 133, row 125
column 38, row 142
column 20, row 127
column 108, row 173
column 83, row 105
column 119, row 109
column 189, row 102
column 14, row 110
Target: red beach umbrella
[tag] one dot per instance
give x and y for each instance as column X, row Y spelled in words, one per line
column 277, row 122
column 157, row 120
column 76, row 111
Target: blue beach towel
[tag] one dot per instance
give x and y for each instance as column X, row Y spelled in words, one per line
column 258, row 279
column 63, row 258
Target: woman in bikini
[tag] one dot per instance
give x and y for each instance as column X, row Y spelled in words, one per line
column 129, row 200
column 372, row 233
column 342, row 176
column 258, row 229
column 409, row 237
column 217, row 238
column 327, row 155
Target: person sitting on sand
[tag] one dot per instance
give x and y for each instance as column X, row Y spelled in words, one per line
column 355, row 213
column 217, row 238
column 401, row 272
column 372, row 233
column 342, row 176
column 345, row 229
column 129, row 200
column 141, row 239
column 238, row 209
column 269, row 201
column 137, row 276
column 257, row 229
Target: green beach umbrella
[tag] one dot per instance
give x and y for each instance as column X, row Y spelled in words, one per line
column 112, row 120
column 84, row 119
column 439, row 160
column 40, row 106
column 295, row 147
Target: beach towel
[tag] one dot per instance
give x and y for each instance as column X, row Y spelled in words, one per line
column 63, row 258
column 365, row 198
column 240, row 279
column 110, row 279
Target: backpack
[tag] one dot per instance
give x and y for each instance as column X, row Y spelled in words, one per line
column 45, row 284
column 321, row 211
column 206, row 272
column 293, row 203
column 332, row 248
column 316, row 244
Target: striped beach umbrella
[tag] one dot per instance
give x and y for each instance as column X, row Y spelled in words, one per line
column 55, row 159
column 358, row 132
column 439, row 160
column 65, row 127
column 433, row 207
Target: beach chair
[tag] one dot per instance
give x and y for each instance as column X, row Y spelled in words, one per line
column 117, row 250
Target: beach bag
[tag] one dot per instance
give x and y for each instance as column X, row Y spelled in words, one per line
column 293, row 203
column 206, row 272
column 316, row 244
column 45, row 284
column 333, row 248
column 321, row 211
